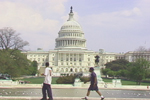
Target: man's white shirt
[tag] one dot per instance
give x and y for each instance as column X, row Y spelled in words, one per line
column 48, row 78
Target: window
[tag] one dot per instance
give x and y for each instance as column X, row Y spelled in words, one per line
column 80, row 59
column 66, row 59
column 66, row 69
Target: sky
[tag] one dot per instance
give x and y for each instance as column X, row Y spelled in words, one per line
column 113, row 25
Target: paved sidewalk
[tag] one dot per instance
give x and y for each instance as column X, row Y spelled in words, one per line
column 67, row 98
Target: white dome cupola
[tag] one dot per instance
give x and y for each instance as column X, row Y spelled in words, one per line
column 70, row 35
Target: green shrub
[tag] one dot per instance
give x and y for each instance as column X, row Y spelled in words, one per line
column 66, row 80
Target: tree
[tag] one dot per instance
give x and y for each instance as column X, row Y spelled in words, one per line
column 10, row 40
column 117, row 65
column 138, row 70
column 12, row 61
column 148, row 73
column 105, row 71
column 34, row 66
column 112, row 73
column 14, row 64
column 116, row 68
column 122, row 73
column 3, row 61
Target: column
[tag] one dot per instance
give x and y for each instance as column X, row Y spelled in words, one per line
column 58, row 43
column 61, row 43
column 67, row 42
column 64, row 42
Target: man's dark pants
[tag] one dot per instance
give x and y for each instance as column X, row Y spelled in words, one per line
column 49, row 91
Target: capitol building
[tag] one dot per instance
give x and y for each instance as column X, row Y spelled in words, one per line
column 70, row 54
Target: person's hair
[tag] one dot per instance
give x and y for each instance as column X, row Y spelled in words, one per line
column 47, row 64
column 91, row 68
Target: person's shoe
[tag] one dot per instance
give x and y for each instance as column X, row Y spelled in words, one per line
column 85, row 98
column 102, row 98
column 43, row 99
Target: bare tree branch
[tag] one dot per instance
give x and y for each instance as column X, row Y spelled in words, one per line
column 10, row 40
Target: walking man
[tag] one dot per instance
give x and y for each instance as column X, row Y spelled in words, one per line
column 47, row 83
column 93, row 85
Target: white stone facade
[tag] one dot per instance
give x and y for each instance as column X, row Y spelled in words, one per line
column 132, row 56
column 70, row 54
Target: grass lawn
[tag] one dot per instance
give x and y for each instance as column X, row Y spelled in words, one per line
column 126, row 82
column 39, row 80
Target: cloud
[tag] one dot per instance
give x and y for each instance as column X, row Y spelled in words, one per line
column 134, row 11
column 38, row 30
column 127, row 22
column 120, row 30
column 47, row 7
column 39, row 21
column 22, row 18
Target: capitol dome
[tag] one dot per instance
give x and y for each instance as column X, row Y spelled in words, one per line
column 71, row 24
column 70, row 35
